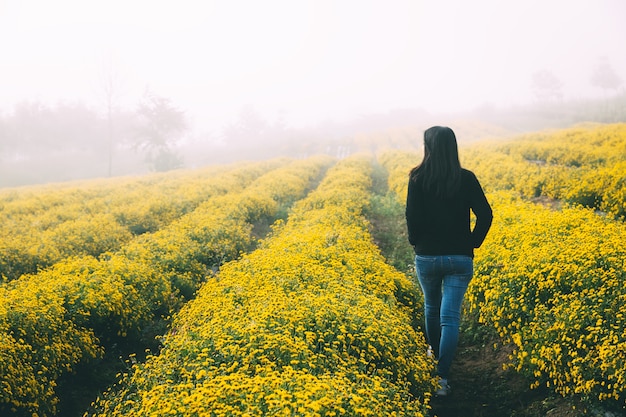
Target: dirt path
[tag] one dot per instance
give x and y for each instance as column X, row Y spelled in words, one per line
column 481, row 388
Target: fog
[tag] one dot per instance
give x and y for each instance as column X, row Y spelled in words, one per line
column 315, row 66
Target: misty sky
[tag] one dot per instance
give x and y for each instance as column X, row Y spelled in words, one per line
column 308, row 60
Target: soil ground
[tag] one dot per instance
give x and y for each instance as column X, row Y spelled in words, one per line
column 480, row 387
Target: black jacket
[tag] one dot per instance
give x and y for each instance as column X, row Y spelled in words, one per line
column 442, row 226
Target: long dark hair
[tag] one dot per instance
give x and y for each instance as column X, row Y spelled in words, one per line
column 440, row 170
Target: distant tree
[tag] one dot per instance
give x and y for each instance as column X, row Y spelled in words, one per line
column 5, row 144
column 36, row 129
column 546, row 86
column 27, row 128
column 160, row 127
column 249, row 129
column 251, row 136
column 604, row 76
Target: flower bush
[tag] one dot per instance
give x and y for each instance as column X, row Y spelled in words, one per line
column 552, row 284
column 583, row 165
column 41, row 225
column 68, row 313
column 307, row 324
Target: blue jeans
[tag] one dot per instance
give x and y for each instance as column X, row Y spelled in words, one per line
column 444, row 280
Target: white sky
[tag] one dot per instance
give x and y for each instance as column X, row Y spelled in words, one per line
column 309, row 59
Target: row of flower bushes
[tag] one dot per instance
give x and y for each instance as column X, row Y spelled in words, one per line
column 41, row 225
column 552, row 283
column 585, row 165
column 69, row 313
column 313, row 322
column 398, row 164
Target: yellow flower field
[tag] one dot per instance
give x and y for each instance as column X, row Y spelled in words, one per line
column 41, row 225
column 276, row 298
column 553, row 285
column 308, row 324
column 61, row 316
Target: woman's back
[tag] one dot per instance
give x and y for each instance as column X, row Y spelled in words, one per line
column 441, row 225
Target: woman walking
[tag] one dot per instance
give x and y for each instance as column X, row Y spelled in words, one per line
column 439, row 199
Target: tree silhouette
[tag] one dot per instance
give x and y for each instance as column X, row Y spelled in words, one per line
column 160, row 127
column 111, row 89
column 604, row 76
column 546, row 86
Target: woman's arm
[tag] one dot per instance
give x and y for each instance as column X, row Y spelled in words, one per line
column 484, row 215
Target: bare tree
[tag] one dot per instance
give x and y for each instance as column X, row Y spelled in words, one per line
column 111, row 88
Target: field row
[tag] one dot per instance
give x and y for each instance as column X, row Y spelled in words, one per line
column 67, row 314
column 584, row 166
column 45, row 224
column 552, row 283
column 314, row 322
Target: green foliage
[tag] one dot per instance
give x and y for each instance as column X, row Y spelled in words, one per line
column 388, row 228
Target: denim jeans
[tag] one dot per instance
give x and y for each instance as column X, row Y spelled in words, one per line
column 444, row 280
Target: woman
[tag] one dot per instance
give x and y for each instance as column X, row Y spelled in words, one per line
column 439, row 199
